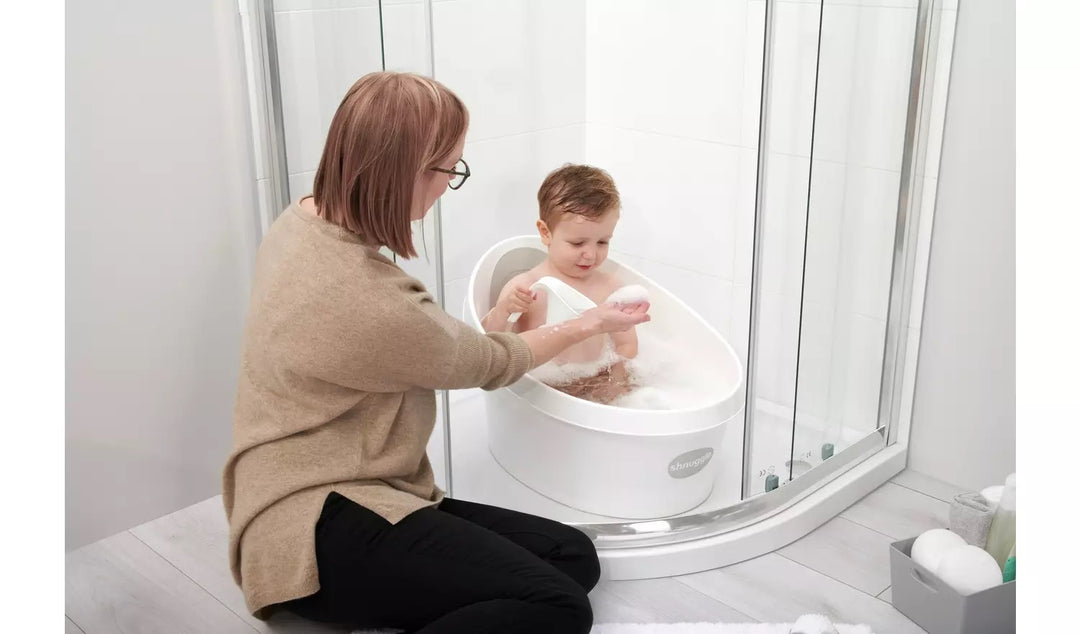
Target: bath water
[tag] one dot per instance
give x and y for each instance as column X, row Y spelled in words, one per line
column 662, row 377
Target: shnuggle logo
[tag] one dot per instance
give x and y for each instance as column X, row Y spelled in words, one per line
column 689, row 463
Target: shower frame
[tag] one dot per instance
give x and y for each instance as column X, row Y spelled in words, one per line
column 758, row 523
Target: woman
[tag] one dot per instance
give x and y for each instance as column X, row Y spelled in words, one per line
column 332, row 506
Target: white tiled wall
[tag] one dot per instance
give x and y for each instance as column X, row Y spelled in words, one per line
column 674, row 68
column 667, row 89
column 499, row 200
column 323, row 48
column 517, row 64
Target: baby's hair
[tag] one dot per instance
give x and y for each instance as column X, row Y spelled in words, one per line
column 576, row 189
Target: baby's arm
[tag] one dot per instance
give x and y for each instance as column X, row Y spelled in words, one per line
column 626, row 346
column 626, row 343
column 515, row 297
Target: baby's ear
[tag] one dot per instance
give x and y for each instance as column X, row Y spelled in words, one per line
column 545, row 232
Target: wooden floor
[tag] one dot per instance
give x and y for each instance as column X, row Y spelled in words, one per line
column 171, row 575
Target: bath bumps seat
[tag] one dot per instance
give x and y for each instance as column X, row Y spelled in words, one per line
column 620, row 462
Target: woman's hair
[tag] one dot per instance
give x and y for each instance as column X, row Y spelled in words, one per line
column 576, row 189
column 390, row 129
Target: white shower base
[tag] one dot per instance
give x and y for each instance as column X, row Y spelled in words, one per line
column 479, row 478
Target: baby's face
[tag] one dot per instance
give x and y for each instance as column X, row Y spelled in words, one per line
column 578, row 246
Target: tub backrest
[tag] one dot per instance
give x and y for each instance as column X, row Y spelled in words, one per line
column 509, row 265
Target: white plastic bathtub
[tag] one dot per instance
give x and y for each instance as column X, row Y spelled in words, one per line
column 614, row 461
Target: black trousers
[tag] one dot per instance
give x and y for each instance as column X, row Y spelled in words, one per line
column 461, row 568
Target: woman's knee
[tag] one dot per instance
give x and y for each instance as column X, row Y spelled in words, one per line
column 578, row 614
column 579, row 559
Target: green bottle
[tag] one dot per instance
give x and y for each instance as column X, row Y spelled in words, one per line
column 1010, row 567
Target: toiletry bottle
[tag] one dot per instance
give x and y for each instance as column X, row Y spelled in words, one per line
column 1010, row 567
column 1002, row 535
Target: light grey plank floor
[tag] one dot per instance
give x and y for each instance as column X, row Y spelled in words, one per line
column 930, row 486
column 172, row 575
column 847, row 552
column 119, row 585
column 658, row 601
column 898, row 512
column 775, row 589
column 195, row 541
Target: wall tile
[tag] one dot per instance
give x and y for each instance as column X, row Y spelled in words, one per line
column 855, row 382
column 499, row 200
column 661, row 178
column 517, row 64
column 673, row 68
column 281, row 6
column 867, row 236
column 784, row 224
column 791, row 88
column 300, row 185
column 880, row 87
column 405, row 42
column 320, row 55
column 753, row 60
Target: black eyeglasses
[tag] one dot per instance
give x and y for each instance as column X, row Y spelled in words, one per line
column 458, row 177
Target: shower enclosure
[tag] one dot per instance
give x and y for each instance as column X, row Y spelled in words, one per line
column 777, row 163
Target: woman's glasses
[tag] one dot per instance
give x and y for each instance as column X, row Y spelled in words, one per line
column 458, row 175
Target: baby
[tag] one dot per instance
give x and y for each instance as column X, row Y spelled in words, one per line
column 579, row 208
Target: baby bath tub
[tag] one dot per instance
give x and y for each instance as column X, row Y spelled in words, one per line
column 615, row 461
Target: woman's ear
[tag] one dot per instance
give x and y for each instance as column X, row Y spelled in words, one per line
column 545, row 233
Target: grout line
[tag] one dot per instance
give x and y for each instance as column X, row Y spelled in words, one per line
column 679, row 580
column 523, row 133
column 871, row 529
column 912, row 488
column 74, row 624
column 892, row 537
column 611, row 126
column 211, row 594
column 676, row 266
column 854, row 521
column 325, row 10
column 883, row 592
column 825, row 574
column 926, row 495
column 740, row 146
column 712, row 598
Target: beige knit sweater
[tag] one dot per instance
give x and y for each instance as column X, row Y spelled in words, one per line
column 342, row 353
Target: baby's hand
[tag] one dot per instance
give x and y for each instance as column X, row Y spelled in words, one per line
column 516, row 299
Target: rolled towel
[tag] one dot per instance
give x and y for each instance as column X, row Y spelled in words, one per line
column 993, row 494
column 970, row 516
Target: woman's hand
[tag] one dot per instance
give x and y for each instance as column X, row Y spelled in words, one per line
column 613, row 317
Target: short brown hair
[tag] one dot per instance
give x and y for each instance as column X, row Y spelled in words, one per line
column 390, row 129
column 576, row 189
